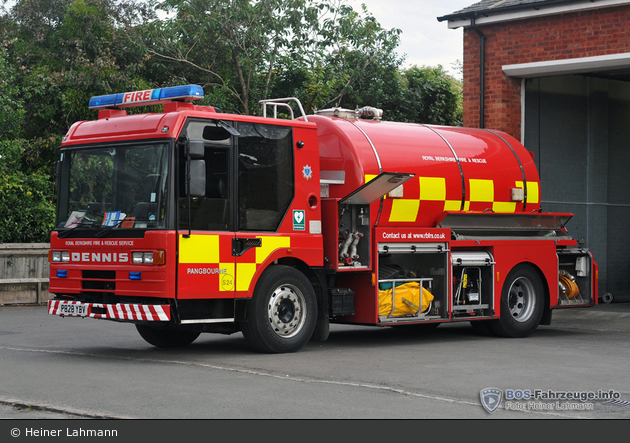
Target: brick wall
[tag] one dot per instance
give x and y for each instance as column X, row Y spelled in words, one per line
column 565, row 36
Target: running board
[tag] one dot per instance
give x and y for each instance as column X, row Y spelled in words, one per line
column 207, row 320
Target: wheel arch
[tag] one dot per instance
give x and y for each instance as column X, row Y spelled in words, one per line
column 523, row 301
column 276, row 319
column 546, row 320
column 317, row 278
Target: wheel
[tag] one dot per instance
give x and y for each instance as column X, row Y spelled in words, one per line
column 282, row 314
column 607, row 298
column 522, row 300
column 166, row 338
column 322, row 330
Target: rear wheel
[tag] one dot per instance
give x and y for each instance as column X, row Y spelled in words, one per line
column 166, row 338
column 282, row 314
column 522, row 300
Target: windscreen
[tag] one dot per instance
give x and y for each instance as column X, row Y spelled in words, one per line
column 113, row 187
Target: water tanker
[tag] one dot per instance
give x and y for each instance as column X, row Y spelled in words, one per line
column 192, row 220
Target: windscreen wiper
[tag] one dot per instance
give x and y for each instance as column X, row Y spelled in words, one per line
column 104, row 231
column 231, row 129
column 81, row 224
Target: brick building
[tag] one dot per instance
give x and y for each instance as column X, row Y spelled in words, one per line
column 556, row 75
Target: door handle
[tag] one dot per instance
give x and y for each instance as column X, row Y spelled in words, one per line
column 242, row 245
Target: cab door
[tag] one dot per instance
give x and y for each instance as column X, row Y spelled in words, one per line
column 206, row 265
column 234, row 225
column 264, row 167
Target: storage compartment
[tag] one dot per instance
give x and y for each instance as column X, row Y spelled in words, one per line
column 574, row 277
column 354, row 236
column 354, row 219
column 473, row 291
column 412, row 281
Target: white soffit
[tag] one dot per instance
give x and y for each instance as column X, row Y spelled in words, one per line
column 569, row 66
column 537, row 10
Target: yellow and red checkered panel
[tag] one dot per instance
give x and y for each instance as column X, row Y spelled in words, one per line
column 207, row 268
column 425, row 198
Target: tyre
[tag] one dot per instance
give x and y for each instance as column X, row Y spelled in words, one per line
column 322, row 330
column 281, row 315
column 166, row 338
column 607, row 298
column 522, row 303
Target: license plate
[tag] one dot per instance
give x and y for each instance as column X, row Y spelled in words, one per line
column 73, row 309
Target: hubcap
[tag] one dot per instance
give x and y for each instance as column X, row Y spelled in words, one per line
column 522, row 299
column 287, row 311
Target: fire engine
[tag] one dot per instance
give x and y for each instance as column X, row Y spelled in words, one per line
column 191, row 220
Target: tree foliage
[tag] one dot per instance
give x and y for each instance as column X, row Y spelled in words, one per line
column 56, row 54
column 430, row 95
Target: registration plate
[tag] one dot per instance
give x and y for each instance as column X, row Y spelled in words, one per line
column 73, row 309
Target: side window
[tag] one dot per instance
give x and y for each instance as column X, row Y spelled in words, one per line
column 210, row 212
column 265, row 175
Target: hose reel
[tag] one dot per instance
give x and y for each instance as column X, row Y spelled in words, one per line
column 567, row 285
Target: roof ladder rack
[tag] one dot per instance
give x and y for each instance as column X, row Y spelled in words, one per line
column 284, row 102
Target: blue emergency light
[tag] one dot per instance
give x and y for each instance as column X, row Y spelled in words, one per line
column 147, row 97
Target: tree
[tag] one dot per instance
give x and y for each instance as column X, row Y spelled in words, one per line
column 226, row 45
column 25, row 193
column 430, row 95
column 341, row 57
column 11, row 104
column 26, row 198
column 68, row 51
column 56, row 55
column 247, row 50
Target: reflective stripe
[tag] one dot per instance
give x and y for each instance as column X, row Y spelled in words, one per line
column 244, row 275
column 481, row 190
column 404, row 210
column 199, row 249
column 433, row 189
column 270, row 244
column 119, row 311
column 531, row 191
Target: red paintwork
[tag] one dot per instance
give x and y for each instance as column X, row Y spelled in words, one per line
column 421, row 150
column 157, row 281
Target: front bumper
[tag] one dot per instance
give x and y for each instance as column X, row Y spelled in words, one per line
column 118, row 311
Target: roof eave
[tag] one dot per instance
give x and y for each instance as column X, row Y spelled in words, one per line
column 516, row 12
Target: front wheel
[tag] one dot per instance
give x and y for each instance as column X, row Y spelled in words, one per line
column 166, row 338
column 282, row 314
column 522, row 303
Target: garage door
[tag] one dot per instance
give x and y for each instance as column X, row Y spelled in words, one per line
column 578, row 127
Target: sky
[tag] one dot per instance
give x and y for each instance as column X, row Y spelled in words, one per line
column 424, row 40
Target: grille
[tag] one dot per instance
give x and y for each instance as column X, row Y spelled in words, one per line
column 99, row 280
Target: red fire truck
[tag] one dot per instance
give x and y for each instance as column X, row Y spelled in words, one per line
column 192, row 220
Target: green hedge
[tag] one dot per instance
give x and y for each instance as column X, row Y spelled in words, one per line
column 26, row 199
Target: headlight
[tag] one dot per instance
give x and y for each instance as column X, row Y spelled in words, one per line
column 148, row 258
column 60, row 256
column 142, row 258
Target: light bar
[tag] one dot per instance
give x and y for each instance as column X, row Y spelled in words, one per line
column 147, row 97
